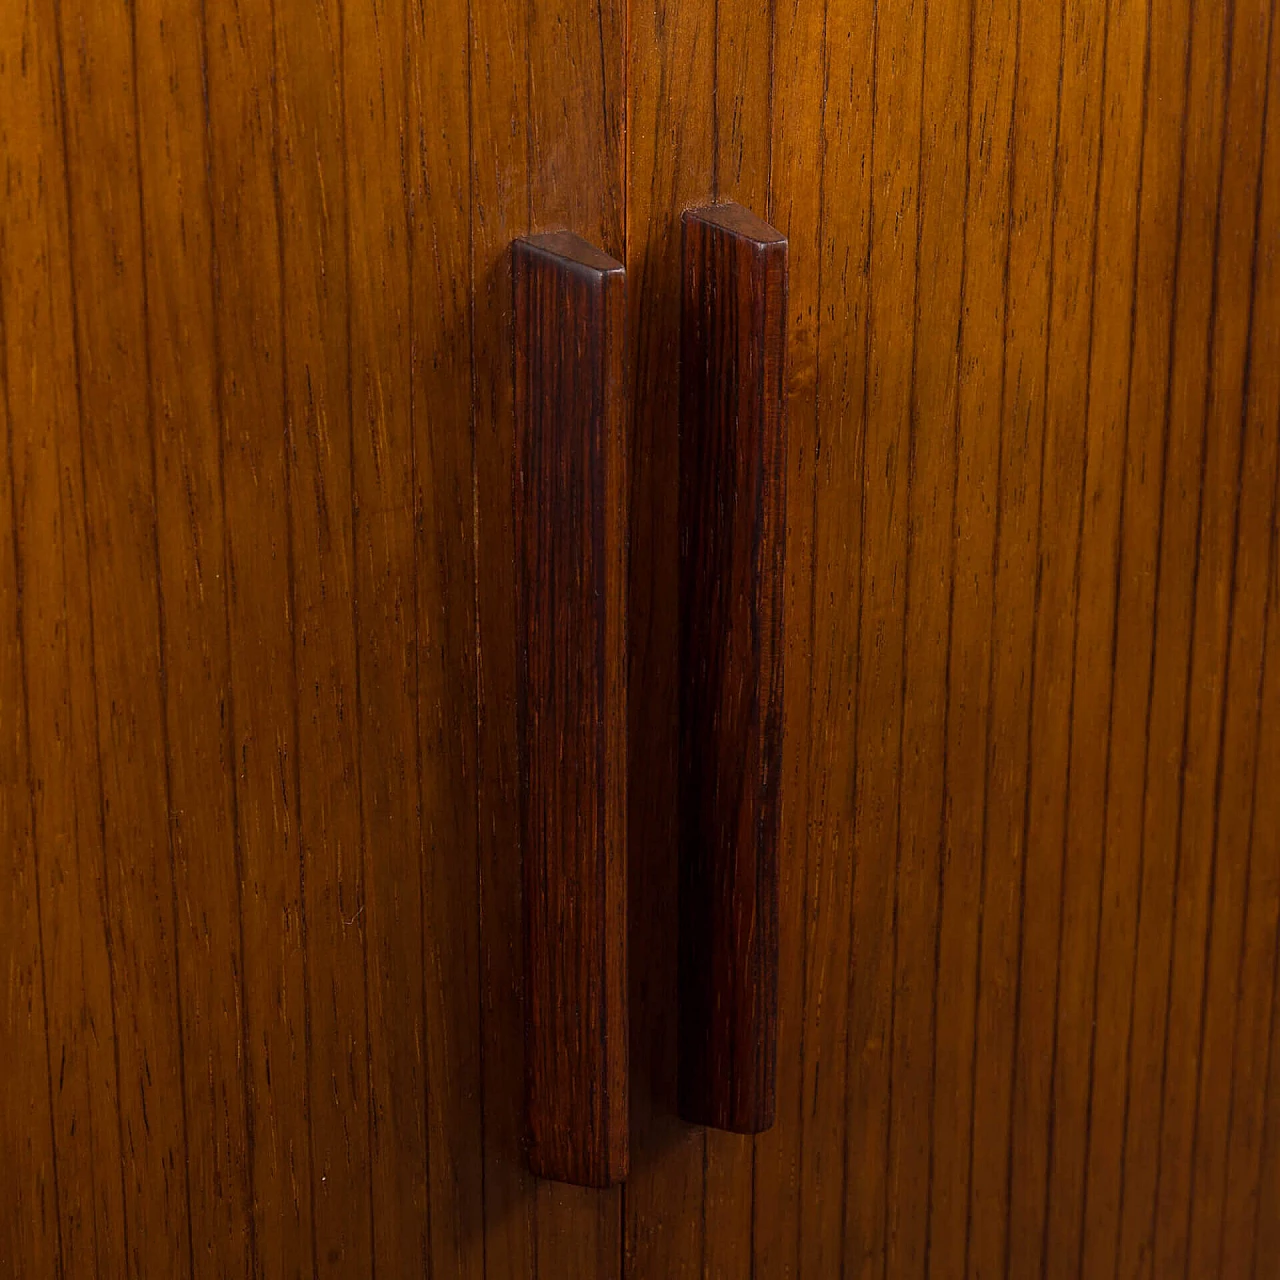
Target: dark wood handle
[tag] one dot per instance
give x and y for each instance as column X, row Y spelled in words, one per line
column 571, row 549
column 732, row 536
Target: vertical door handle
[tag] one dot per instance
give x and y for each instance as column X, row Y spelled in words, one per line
column 571, row 553
column 732, row 537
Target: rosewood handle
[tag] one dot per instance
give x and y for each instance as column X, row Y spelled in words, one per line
column 571, row 626
column 732, row 536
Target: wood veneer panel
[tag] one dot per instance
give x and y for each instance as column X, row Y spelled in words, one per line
column 732, row 492
column 1021, row 410
column 1154, row 689
column 1257, row 1249
column 375, row 63
column 928, row 602
column 191, row 566
column 824, row 81
column 1046, row 880
column 307, row 79
column 1137, row 587
column 31, row 1228
column 41, row 394
column 442, row 457
column 890, row 337
column 498, row 91
column 570, row 538
column 1225, row 653
column 1120, row 127
column 984, row 292
column 1246, row 1223
column 1228, row 997
column 258, row 488
column 1158, row 1006
column 1069, row 645
column 126, row 628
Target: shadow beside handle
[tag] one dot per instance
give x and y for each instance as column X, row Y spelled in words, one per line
column 571, row 573
column 732, row 534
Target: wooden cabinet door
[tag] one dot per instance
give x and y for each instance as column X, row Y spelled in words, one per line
column 260, row 893
column 1029, row 895
column 260, row 905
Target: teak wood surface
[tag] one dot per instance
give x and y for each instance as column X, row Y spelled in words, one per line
column 733, row 309
column 571, row 700
column 261, row 972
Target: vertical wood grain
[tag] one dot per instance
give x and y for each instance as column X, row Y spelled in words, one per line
column 191, row 568
column 1121, row 127
column 991, row 76
column 1178, row 524
column 1212, row 666
column 311, row 185
column 1074, row 175
column 1046, row 883
column 1257, row 1249
column 1208, row 1102
column 1022, row 406
column 31, row 1242
column 440, row 181
column 732, row 557
column 824, row 63
column 1136, row 586
column 890, row 336
column 51, row 566
column 384, row 476
column 249, row 342
column 928, row 594
column 570, row 537
column 258, row 657
column 499, row 94
column 126, row 627
column 1245, row 1221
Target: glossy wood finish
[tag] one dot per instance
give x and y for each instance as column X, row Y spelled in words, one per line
column 1029, row 873
column 262, row 927
column 1028, row 894
column 732, row 551
column 571, row 690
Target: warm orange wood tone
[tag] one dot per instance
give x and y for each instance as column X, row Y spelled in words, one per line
column 260, row 903
column 1029, row 868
